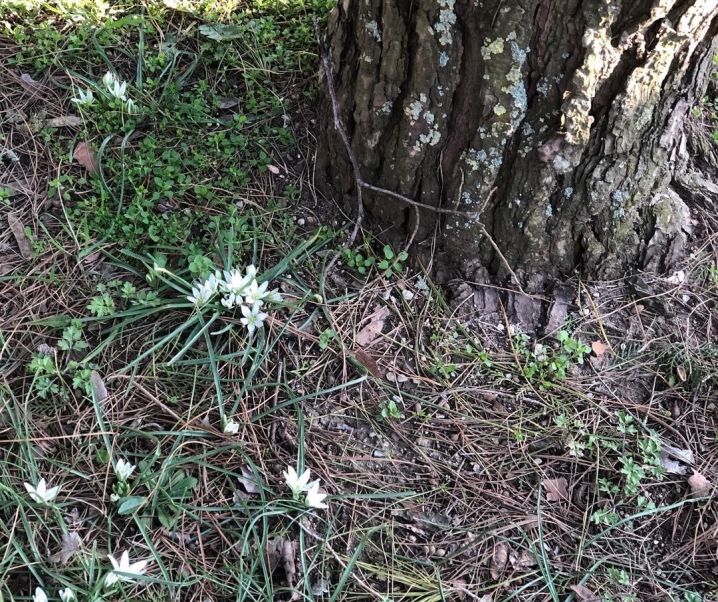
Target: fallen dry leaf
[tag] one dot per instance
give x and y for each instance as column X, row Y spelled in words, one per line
column 66, row 121
column 290, row 570
column 525, row 561
column 583, row 593
column 681, row 373
column 367, row 361
column 249, row 480
column 71, row 543
column 98, row 386
column 684, row 455
column 700, row 486
column 86, row 156
column 282, row 550
column 499, row 560
column 370, row 333
column 228, row 103
column 555, row 489
column 671, row 465
column 598, row 348
column 27, row 78
column 18, row 231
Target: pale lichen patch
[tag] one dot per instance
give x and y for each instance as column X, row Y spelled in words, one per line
column 492, row 47
column 373, row 29
column 444, row 27
column 414, row 110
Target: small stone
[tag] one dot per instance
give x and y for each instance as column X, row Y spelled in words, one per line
column 441, row 552
column 391, row 377
column 407, row 294
column 455, row 437
column 301, row 221
column 417, row 407
column 379, row 454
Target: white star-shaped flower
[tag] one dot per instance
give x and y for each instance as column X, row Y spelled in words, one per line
column 84, row 99
column 200, row 295
column 314, row 498
column 119, row 90
column 41, row 494
column 123, row 570
column 254, row 292
column 296, row 483
column 234, row 281
column 253, row 318
column 123, row 470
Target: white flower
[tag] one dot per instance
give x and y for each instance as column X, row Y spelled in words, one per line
column 203, row 292
column 230, row 427
column 314, row 498
column 118, row 90
column 66, row 595
column 200, row 295
column 40, row 595
column 109, row 80
column 123, row 470
column 296, row 483
column 84, row 99
column 234, row 282
column 212, row 283
column 253, row 318
column 131, row 107
column 41, row 494
column 251, row 272
column 124, row 566
column 255, row 292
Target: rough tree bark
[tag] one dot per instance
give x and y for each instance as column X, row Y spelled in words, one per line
column 573, row 110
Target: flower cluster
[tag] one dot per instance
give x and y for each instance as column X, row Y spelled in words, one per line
column 115, row 88
column 238, row 291
column 300, row 484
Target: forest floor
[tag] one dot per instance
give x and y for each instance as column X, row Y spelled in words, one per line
column 463, row 458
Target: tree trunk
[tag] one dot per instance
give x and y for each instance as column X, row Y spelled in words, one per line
column 570, row 111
